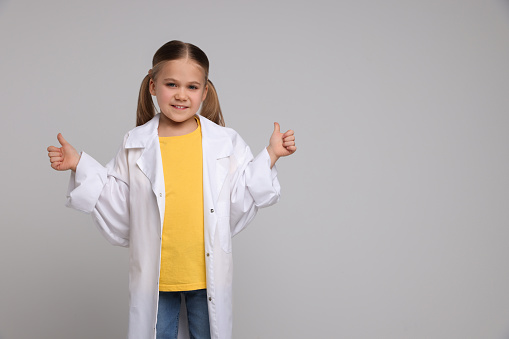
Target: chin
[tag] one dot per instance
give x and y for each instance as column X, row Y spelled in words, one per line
column 178, row 118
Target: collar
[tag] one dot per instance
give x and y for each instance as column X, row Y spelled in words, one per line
column 213, row 135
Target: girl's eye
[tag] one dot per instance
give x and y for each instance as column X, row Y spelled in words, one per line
column 171, row 84
column 193, row 87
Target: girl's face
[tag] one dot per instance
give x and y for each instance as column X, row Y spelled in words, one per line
column 179, row 89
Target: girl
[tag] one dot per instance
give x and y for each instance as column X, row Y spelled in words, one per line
column 179, row 188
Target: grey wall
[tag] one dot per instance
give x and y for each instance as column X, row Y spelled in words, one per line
column 394, row 218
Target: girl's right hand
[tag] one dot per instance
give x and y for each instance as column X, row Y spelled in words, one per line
column 65, row 157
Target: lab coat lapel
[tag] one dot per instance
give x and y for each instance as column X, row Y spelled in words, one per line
column 216, row 145
column 151, row 164
column 150, row 161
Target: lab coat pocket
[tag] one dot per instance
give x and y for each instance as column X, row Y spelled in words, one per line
column 223, row 227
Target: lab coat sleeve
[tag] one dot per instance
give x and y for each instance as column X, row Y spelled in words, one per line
column 253, row 185
column 104, row 193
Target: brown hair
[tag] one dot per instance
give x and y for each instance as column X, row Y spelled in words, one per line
column 175, row 50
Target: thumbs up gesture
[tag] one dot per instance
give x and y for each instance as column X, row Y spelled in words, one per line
column 281, row 144
column 65, row 157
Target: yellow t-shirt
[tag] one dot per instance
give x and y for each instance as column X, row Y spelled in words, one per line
column 183, row 246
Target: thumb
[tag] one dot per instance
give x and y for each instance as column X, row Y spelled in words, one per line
column 276, row 127
column 61, row 139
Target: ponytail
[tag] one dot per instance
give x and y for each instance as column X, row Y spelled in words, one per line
column 210, row 107
column 146, row 108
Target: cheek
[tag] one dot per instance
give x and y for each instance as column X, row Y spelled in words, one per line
column 163, row 94
column 202, row 96
column 196, row 97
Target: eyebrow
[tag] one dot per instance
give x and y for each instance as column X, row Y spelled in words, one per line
column 192, row 82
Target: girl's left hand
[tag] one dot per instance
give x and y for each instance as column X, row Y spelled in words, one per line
column 281, row 144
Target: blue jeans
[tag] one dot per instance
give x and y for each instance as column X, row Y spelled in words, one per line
column 169, row 311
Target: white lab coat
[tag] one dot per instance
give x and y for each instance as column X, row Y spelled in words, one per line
column 127, row 201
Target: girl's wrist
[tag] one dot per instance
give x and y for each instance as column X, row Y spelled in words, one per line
column 73, row 168
column 272, row 155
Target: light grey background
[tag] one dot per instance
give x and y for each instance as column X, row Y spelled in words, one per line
column 394, row 217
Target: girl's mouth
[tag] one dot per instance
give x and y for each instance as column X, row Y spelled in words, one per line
column 179, row 107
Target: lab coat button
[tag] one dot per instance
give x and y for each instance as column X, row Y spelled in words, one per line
column 211, row 210
column 208, row 254
column 161, row 195
column 210, row 298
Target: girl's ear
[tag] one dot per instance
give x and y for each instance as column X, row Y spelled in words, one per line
column 205, row 91
column 152, row 87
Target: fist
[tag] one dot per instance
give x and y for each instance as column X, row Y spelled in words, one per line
column 65, row 157
column 281, row 144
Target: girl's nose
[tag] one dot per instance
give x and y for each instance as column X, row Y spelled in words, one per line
column 181, row 95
